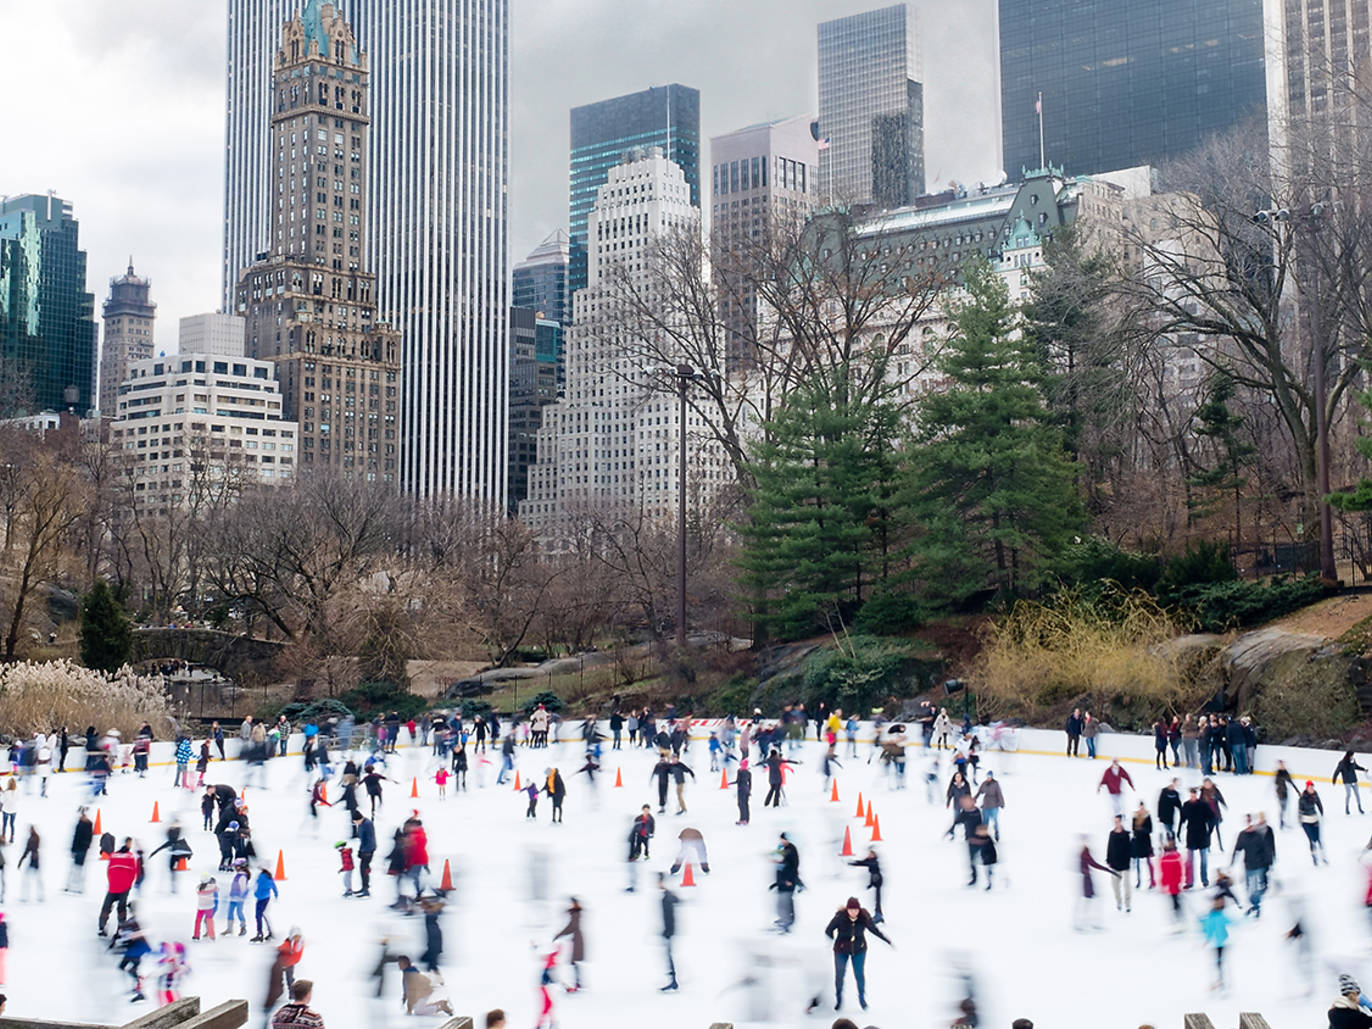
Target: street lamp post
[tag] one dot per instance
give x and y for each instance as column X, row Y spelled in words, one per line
column 1328, row 570
column 685, row 375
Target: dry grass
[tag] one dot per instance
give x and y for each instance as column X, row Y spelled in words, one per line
column 1113, row 644
column 39, row 697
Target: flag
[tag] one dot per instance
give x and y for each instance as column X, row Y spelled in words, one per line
column 1038, row 104
column 824, row 143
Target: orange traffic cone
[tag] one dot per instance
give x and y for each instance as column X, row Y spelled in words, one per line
column 243, row 793
column 876, row 830
column 181, row 865
column 859, row 810
column 517, row 786
column 280, row 867
column 847, row 850
column 619, row 778
column 870, row 819
column 323, row 792
column 447, row 884
column 155, row 816
column 687, row 878
column 723, row 779
column 414, row 787
column 97, row 822
column 833, row 794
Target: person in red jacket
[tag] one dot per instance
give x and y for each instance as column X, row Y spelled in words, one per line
column 416, row 853
column 120, row 873
column 1113, row 783
column 1171, row 864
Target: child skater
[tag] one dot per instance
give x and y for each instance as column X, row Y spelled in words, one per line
column 345, row 855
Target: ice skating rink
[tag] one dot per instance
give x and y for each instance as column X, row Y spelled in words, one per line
column 513, row 879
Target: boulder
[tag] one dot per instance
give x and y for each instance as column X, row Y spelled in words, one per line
column 1267, row 655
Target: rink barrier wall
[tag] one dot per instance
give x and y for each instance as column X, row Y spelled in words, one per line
column 181, row 1014
column 1302, row 762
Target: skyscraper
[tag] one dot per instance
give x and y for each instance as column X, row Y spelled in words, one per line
column 437, row 219
column 1125, row 84
column 535, row 382
column 539, row 282
column 610, row 445
column 602, row 132
column 871, row 109
column 1317, row 51
column 310, row 303
column 129, row 315
column 48, row 335
column 762, row 178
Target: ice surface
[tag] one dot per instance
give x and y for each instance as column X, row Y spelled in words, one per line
column 1017, row 939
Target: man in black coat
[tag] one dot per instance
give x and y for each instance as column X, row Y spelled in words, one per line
column 80, row 845
column 1169, row 806
column 968, row 816
column 669, row 903
column 1119, row 853
column 1073, row 730
column 1258, row 845
column 1198, row 820
column 786, row 883
column 744, row 782
column 365, row 834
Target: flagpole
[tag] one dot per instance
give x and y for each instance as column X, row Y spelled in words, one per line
column 1043, row 158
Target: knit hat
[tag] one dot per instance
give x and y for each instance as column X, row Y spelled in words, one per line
column 853, row 904
column 1347, row 985
column 1309, row 783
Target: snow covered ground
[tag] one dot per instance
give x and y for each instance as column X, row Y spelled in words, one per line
column 1018, row 938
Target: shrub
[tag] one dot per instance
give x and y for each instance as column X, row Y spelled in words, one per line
column 1098, row 560
column 861, row 672
column 1204, row 562
column 473, row 706
column 1317, row 702
column 298, row 712
column 889, row 612
column 547, row 698
column 382, row 697
column 1113, row 644
column 735, row 697
column 39, row 697
column 1221, row 606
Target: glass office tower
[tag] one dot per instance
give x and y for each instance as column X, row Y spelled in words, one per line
column 871, row 109
column 664, row 116
column 1125, row 84
column 48, row 334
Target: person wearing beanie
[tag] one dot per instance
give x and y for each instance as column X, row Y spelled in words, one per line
column 744, row 781
column 1346, row 1012
column 1309, row 811
column 848, row 929
column 992, row 800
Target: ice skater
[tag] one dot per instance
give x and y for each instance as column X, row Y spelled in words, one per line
column 848, row 929
column 264, row 889
column 669, row 903
column 743, row 783
column 1086, row 907
column 1112, row 781
column 1214, row 926
column 786, row 882
column 874, row 880
column 577, row 953
column 1346, row 772
column 1309, row 811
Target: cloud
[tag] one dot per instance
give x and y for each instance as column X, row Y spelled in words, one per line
column 131, row 129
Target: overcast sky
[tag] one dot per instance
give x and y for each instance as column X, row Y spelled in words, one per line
column 119, row 108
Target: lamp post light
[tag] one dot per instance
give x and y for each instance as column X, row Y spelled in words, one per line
column 1312, row 218
column 685, row 375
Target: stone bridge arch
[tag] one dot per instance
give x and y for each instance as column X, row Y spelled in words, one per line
column 241, row 658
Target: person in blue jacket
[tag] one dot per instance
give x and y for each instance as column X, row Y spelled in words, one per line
column 264, row 889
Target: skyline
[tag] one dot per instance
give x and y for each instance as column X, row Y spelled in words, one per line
column 146, row 178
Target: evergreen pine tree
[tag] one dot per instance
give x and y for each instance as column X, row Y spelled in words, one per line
column 1221, row 426
column 106, row 634
column 991, row 480
column 819, row 531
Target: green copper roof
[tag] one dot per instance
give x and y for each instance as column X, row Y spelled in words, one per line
column 314, row 27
